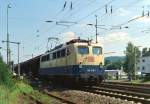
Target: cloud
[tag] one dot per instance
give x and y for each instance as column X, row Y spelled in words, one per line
column 68, row 36
column 147, row 2
column 115, row 42
column 116, row 37
column 123, row 12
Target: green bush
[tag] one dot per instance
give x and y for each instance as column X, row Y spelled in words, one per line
column 5, row 75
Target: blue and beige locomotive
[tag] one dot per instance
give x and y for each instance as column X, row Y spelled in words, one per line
column 77, row 60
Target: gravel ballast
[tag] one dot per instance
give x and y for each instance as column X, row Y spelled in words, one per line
column 88, row 98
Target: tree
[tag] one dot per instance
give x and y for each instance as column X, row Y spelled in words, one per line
column 132, row 57
column 1, row 57
column 129, row 59
column 5, row 75
column 113, row 65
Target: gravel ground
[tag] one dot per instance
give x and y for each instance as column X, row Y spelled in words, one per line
column 87, row 98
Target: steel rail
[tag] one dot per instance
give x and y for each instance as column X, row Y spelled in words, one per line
column 115, row 94
column 139, row 89
column 33, row 98
column 129, row 83
column 128, row 93
column 64, row 100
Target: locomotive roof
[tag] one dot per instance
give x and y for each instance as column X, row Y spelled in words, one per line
column 70, row 42
column 82, row 41
column 77, row 41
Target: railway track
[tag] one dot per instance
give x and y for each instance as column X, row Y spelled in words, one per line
column 33, row 98
column 123, row 91
column 127, row 87
column 119, row 94
column 44, row 89
column 62, row 99
column 128, row 83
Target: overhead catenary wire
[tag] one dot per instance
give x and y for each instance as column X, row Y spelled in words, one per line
column 104, row 14
column 53, row 26
column 90, row 14
column 79, row 9
column 82, row 19
column 58, row 13
column 115, row 10
column 97, row 10
column 133, row 19
column 55, row 17
column 44, row 24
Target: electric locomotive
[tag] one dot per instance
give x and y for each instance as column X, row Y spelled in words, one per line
column 77, row 60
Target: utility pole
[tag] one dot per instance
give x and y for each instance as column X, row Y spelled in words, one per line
column 18, row 59
column 134, row 63
column 8, row 49
column 135, row 60
column 18, row 43
column 96, row 29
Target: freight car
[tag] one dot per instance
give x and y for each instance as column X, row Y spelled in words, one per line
column 30, row 68
column 76, row 61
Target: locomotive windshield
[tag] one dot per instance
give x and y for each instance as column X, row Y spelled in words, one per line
column 83, row 50
column 97, row 50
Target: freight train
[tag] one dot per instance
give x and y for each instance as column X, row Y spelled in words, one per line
column 77, row 61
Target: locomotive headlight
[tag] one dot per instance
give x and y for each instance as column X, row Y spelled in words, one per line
column 80, row 65
column 100, row 65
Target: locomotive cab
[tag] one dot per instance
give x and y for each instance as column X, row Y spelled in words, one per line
column 89, row 58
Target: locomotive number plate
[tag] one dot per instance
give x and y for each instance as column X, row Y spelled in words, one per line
column 91, row 59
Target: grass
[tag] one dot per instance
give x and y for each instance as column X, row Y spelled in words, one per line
column 136, row 81
column 11, row 90
column 44, row 98
column 5, row 75
column 8, row 96
column 15, row 96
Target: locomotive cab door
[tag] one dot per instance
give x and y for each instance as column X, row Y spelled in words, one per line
column 70, row 59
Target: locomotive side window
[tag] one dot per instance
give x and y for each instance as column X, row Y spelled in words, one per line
column 58, row 54
column 47, row 57
column 42, row 59
column 63, row 52
column 54, row 55
column 83, row 50
column 51, row 56
column 97, row 50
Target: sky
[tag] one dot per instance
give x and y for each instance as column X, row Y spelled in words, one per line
column 27, row 24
